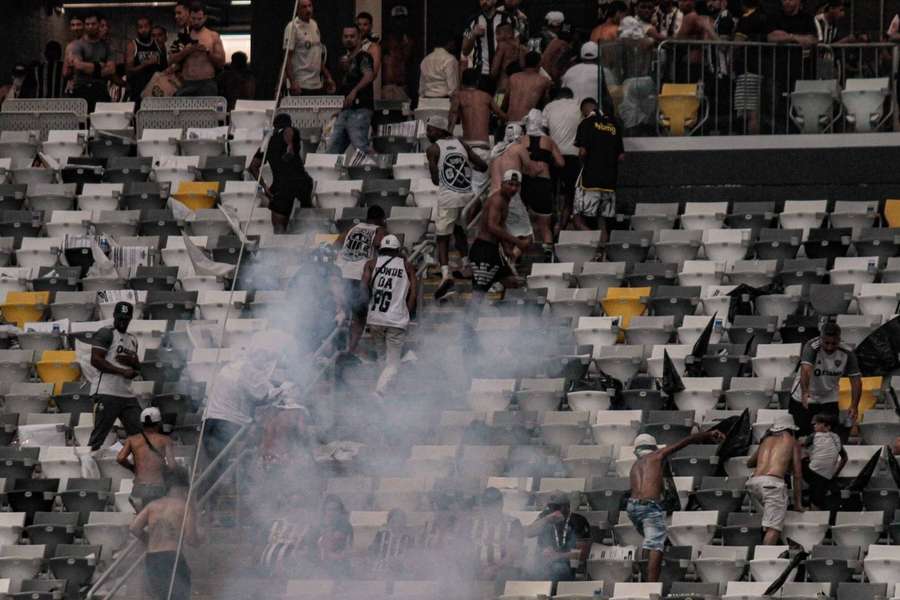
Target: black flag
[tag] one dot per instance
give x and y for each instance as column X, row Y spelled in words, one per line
column 860, row 482
column 879, row 353
column 780, row 581
column 894, row 467
column 738, row 436
column 671, row 380
column 694, row 367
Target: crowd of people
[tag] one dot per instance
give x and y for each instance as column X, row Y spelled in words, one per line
column 96, row 65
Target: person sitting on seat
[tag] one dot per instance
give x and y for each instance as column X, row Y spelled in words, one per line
column 330, row 541
column 390, row 551
column 563, row 537
column 152, row 457
column 497, row 540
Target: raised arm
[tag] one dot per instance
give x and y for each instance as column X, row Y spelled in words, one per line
column 697, row 438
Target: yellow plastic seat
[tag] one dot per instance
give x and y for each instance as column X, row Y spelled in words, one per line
column 871, row 387
column 892, row 212
column 58, row 367
column 24, row 307
column 198, row 195
column 625, row 303
column 325, row 238
column 679, row 105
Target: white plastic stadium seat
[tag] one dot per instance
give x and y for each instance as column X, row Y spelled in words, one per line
column 803, row 214
column 726, row 245
column 863, row 100
column 331, row 194
column 882, row 563
column 879, row 299
column 693, row 528
column 252, row 114
column 616, row 427
column 551, row 275
column 721, row 563
column 812, row 104
column 776, row 361
column 704, row 215
column 63, row 144
column 112, row 115
column 158, row 143
column 410, row 222
column 767, row 563
column 204, row 142
column 806, row 528
column 854, row 270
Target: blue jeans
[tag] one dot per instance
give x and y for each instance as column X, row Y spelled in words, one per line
column 351, row 127
column 649, row 519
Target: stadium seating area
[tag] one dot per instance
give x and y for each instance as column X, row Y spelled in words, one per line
column 105, row 182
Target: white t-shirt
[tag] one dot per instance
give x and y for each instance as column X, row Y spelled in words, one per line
column 563, row 117
column 390, row 286
column 825, row 453
column 359, row 247
column 109, row 339
column 583, row 80
column 309, row 52
column 235, row 389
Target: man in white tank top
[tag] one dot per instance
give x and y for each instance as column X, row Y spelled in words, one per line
column 451, row 162
column 357, row 246
column 392, row 298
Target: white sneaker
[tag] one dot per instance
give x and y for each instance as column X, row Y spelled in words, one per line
column 409, row 357
column 496, row 288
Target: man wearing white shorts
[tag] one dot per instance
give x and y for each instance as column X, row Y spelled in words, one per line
column 451, row 162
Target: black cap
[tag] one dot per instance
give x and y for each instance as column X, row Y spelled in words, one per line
column 124, row 309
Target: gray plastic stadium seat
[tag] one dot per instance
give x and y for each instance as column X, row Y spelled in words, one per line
column 75, row 563
column 742, row 529
column 709, row 591
column 829, row 300
column 628, row 246
column 12, row 196
column 803, row 271
column 675, row 301
column 608, row 494
column 673, row 568
column 128, row 169
column 650, row 331
column 798, row 329
column 861, row 591
column 751, row 215
column 745, row 327
column 144, row 196
column 677, row 246
column 52, row 529
column 881, row 494
column 87, row 495
column 159, row 222
column 385, row 193
column 30, row 496
column 881, row 242
column 668, row 426
column 828, row 243
column 651, row 274
column 829, row 563
column 649, row 216
column 154, row 278
column 777, row 243
column 222, row 168
column 695, row 461
column 724, row 494
column 45, row 589
column 170, row 306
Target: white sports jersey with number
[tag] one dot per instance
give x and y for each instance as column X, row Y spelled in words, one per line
column 359, row 247
column 390, row 286
column 454, row 174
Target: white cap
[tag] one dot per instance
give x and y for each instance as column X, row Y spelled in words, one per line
column 783, row 423
column 589, row 50
column 512, row 175
column 390, row 242
column 438, row 122
column 555, row 17
column 644, row 439
column 152, row 414
column 399, row 11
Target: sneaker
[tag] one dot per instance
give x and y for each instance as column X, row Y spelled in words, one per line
column 496, row 288
column 444, row 290
column 409, row 357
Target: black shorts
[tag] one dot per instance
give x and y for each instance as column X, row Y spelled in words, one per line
column 488, row 266
column 283, row 198
column 569, row 174
column 537, row 194
column 356, row 300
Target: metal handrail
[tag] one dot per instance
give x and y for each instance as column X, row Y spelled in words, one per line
column 135, row 542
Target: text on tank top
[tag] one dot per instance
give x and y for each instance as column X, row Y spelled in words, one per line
column 143, row 52
column 359, row 246
column 390, row 285
column 454, row 170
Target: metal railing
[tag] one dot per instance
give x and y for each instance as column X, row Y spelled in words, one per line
column 747, row 87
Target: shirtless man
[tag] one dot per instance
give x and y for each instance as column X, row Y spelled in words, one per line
column 488, row 265
column 527, row 90
column 159, row 526
column 201, row 58
column 473, row 108
column 644, row 505
column 510, row 53
column 694, row 26
column 771, row 462
column 510, row 155
column 538, row 191
column 151, row 456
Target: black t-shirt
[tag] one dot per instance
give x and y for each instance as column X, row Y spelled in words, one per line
column 790, row 59
column 601, row 136
column 563, row 536
column 361, row 64
column 750, row 28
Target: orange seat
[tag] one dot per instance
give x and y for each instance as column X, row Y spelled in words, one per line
column 25, row 307
column 58, row 367
column 625, row 303
column 198, row 195
column 871, row 391
column 679, row 106
column 892, row 212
